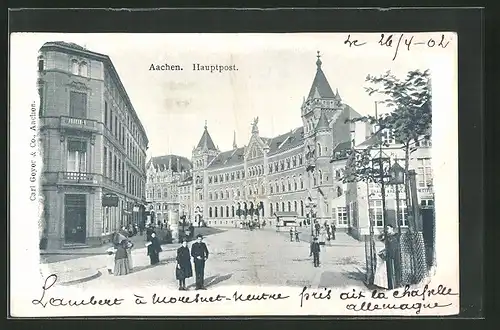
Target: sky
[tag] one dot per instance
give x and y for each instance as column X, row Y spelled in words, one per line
column 275, row 72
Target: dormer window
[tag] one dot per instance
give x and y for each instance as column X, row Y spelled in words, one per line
column 83, row 69
column 41, row 64
column 74, row 67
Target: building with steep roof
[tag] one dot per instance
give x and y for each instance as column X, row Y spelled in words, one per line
column 93, row 147
column 269, row 175
column 169, row 186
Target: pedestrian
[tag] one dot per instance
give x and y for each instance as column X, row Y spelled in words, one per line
column 149, row 231
column 199, row 252
column 328, row 232
column 191, row 231
column 318, row 227
column 296, row 235
column 315, row 248
column 392, row 254
column 183, row 269
column 291, row 234
column 136, row 229
column 111, row 259
column 334, row 228
column 121, row 259
column 130, row 245
column 154, row 249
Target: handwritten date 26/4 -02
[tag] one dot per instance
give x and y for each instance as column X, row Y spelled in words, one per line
column 400, row 40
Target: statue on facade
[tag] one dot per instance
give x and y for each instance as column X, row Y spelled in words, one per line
column 255, row 129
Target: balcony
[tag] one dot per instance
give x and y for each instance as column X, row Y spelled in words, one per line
column 89, row 125
column 77, row 178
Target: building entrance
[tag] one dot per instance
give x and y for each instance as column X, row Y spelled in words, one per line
column 75, row 218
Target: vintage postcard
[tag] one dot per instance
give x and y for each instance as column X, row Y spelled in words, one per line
column 238, row 174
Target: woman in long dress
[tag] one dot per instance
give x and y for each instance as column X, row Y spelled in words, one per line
column 130, row 245
column 380, row 277
column 183, row 269
column 121, row 260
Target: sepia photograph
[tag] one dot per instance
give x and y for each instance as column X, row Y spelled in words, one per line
column 254, row 174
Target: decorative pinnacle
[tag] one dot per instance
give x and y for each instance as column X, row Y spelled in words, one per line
column 205, row 124
column 318, row 62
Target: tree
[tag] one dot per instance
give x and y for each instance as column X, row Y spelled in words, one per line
column 408, row 122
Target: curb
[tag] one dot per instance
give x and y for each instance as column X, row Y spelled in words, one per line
column 95, row 274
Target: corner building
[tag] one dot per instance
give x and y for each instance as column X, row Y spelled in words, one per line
column 269, row 174
column 93, row 145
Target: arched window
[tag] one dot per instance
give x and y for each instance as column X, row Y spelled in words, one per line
column 300, row 159
column 210, row 196
column 232, row 211
column 271, row 188
column 74, row 67
column 276, row 167
column 320, row 176
column 271, row 208
column 289, row 206
column 294, row 183
column 277, row 187
column 289, row 184
column 83, row 69
column 319, row 149
column 227, row 194
column 301, row 182
column 283, row 206
column 227, row 211
column 288, row 163
column 295, row 206
column 210, row 212
column 282, row 185
column 215, row 209
column 238, row 193
column 301, row 208
column 270, row 168
column 277, row 207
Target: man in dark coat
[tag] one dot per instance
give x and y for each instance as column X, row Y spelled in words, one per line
column 154, row 249
column 199, row 252
column 184, row 269
column 317, row 227
column 315, row 251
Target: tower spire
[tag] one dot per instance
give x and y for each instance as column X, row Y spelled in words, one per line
column 235, row 146
column 205, row 124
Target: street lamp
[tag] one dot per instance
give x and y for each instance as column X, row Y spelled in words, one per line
column 397, row 177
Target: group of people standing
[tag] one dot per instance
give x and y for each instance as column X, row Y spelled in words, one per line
column 120, row 262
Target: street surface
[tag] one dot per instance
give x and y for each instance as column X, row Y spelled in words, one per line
column 239, row 257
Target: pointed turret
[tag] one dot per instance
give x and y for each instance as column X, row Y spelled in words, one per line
column 320, row 83
column 235, row 146
column 206, row 142
column 337, row 95
column 170, row 163
column 322, row 122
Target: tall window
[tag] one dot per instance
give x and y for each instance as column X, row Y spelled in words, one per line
column 277, row 207
column 301, row 183
column 341, row 215
column 271, row 208
column 105, row 113
column 289, row 206
column 41, row 108
column 83, row 69
column 295, row 206
column 424, row 172
column 40, row 65
column 377, row 212
column 77, row 104
column 301, row 208
column 114, row 168
column 74, row 67
column 105, row 162
column 77, row 156
column 319, row 149
column 403, row 213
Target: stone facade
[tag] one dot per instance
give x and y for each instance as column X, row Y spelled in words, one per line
column 168, row 187
column 93, row 145
column 271, row 175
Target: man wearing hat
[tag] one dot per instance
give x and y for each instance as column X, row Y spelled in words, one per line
column 315, row 248
column 199, row 252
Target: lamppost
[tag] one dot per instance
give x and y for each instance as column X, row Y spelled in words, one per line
column 311, row 206
column 311, row 166
column 397, row 177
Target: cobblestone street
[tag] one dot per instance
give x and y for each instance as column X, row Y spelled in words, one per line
column 240, row 257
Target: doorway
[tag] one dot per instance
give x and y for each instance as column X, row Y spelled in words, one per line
column 75, row 218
